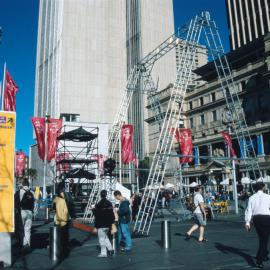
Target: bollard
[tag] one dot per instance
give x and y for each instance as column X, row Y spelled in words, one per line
column 47, row 213
column 115, row 243
column 55, row 243
column 166, row 234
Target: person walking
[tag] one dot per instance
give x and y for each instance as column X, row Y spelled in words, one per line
column 24, row 206
column 104, row 218
column 199, row 215
column 124, row 217
column 258, row 210
column 63, row 205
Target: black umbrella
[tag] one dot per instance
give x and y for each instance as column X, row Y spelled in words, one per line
column 78, row 173
column 78, row 135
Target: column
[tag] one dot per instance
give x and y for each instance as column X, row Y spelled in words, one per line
column 242, row 148
column 260, row 145
column 196, row 154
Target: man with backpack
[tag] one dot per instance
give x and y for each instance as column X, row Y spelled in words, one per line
column 24, row 206
column 124, row 218
column 104, row 218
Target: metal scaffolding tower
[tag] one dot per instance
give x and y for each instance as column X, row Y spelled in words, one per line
column 200, row 27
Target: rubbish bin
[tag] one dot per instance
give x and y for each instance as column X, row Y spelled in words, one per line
column 166, row 234
column 55, row 243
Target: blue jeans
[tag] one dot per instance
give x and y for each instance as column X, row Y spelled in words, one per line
column 124, row 234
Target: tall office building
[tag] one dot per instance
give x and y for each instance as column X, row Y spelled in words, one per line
column 247, row 20
column 81, row 60
column 149, row 23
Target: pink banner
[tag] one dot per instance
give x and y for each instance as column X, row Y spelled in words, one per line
column 10, row 92
column 20, row 164
column 228, row 141
column 54, row 129
column 127, row 154
column 39, row 127
column 184, row 138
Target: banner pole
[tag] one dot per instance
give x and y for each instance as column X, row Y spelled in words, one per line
column 120, row 158
column 45, row 157
column 3, row 87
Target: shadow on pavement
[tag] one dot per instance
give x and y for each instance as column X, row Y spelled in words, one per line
column 237, row 251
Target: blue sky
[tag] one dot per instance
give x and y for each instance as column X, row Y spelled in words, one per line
column 19, row 20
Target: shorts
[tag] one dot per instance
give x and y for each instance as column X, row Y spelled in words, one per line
column 199, row 220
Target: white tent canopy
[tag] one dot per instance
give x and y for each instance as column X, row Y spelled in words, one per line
column 193, row 184
column 169, row 185
column 225, row 182
column 245, row 181
column 124, row 191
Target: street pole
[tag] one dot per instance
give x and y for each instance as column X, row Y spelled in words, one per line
column 235, row 188
column 120, row 158
column 45, row 157
column 3, row 87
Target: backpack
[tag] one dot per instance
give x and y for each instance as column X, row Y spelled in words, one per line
column 27, row 202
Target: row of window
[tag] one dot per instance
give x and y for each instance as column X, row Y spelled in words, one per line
column 201, row 101
column 213, row 98
column 202, row 119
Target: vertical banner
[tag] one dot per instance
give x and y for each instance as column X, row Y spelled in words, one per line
column 127, row 154
column 20, row 164
column 54, row 130
column 10, row 91
column 39, row 127
column 7, row 157
column 184, row 138
column 228, row 141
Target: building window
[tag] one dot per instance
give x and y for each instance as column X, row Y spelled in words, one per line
column 191, row 122
column 70, row 117
column 201, row 101
column 202, row 119
column 213, row 97
column 214, row 115
column 190, row 105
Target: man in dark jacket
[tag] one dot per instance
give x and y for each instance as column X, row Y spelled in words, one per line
column 104, row 218
column 124, row 217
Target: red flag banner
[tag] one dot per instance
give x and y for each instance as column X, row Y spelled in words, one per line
column 54, row 129
column 10, row 91
column 62, row 166
column 228, row 141
column 127, row 144
column 39, row 127
column 20, row 164
column 184, row 138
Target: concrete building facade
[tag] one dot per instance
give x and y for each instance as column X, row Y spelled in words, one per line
column 247, row 20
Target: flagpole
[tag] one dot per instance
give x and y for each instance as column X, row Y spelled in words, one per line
column 45, row 157
column 3, row 87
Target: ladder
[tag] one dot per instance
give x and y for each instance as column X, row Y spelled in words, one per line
column 207, row 27
column 171, row 120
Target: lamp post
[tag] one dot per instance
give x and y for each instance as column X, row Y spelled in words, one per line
column 47, row 117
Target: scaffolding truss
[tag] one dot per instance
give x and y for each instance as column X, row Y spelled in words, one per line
column 76, row 154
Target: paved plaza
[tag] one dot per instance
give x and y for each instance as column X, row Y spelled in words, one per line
column 229, row 247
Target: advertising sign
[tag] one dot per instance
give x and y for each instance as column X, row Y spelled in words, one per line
column 7, row 157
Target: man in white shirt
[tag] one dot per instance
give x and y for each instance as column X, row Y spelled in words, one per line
column 199, row 215
column 258, row 210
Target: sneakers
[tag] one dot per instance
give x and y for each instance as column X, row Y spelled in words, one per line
column 259, row 264
column 111, row 252
column 102, row 255
column 187, row 237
